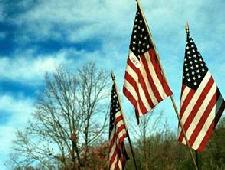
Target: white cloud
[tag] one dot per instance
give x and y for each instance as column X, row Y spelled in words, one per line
column 75, row 21
column 20, row 111
column 29, row 67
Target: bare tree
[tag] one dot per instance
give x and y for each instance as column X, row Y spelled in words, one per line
column 70, row 116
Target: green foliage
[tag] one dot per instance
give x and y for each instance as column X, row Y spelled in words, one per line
column 161, row 151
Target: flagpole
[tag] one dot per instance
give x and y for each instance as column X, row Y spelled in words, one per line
column 129, row 140
column 197, row 159
column 171, row 97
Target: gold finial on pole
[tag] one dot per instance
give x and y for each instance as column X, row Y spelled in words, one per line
column 112, row 76
column 187, row 27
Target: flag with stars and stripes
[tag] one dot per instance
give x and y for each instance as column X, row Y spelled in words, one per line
column 144, row 85
column 117, row 134
column 201, row 101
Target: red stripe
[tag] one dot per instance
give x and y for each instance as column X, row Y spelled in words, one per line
column 113, row 140
column 134, row 85
column 206, row 138
column 118, row 152
column 112, row 159
column 120, row 128
column 210, row 130
column 202, row 120
column 151, row 82
column 142, row 83
column 119, row 118
column 186, row 101
column 130, row 97
column 197, row 105
column 158, row 70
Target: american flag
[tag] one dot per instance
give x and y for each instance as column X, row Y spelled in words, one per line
column 201, row 101
column 144, row 85
column 117, row 134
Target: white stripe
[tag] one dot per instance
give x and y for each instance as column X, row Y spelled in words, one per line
column 121, row 134
column 139, row 110
column 200, row 112
column 195, row 97
column 120, row 164
column 184, row 94
column 112, row 149
column 118, row 114
column 143, row 97
column 149, row 89
column 140, row 91
column 206, row 126
column 183, row 97
column 154, row 77
column 131, row 89
column 132, row 73
column 112, row 167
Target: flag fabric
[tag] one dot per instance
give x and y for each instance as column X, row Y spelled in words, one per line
column 117, row 134
column 144, row 82
column 201, row 101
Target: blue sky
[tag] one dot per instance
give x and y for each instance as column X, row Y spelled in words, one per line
column 37, row 36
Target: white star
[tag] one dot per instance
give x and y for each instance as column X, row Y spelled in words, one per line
column 195, row 83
